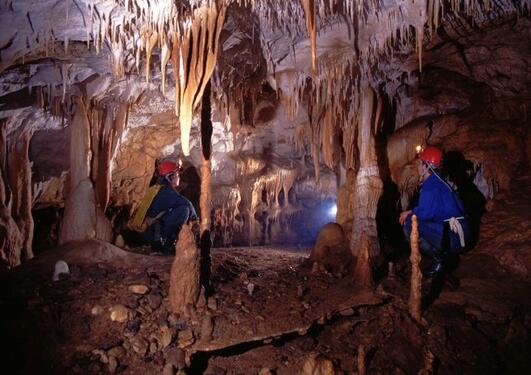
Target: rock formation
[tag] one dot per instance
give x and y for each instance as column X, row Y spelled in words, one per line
column 184, row 275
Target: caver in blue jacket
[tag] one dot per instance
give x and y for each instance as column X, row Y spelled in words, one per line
column 177, row 210
column 438, row 202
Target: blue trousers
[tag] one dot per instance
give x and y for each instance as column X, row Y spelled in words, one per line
column 168, row 225
column 425, row 247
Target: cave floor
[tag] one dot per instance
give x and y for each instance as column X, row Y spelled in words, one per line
column 269, row 312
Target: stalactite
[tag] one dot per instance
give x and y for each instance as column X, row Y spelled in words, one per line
column 107, row 128
column 309, row 11
column 198, row 55
column 415, row 293
column 328, row 149
column 151, row 37
column 118, row 57
column 176, row 65
column 420, row 35
column 164, row 58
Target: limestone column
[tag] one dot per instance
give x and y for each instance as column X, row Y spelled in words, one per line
column 83, row 218
column 205, row 199
column 368, row 184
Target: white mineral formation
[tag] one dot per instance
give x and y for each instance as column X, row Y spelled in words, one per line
column 61, row 267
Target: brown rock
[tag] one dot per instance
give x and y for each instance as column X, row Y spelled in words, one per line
column 120, row 313
column 119, row 241
column 207, row 327
column 186, row 338
column 165, row 336
column 318, row 364
column 138, row 289
column 139, row 345
column 168, row 369
column 117, row 351
column 175, row 357
column 331, row 249
column 113, row 364
column 212, row 304
column 154, row 301
column 184, row 277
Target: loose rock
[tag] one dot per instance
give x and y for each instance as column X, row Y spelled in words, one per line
column 113, row 364
column 212, row 304
column 154, row 301
column 168, row 369
column 117, row 352
column 138, row 289
column 318, row 365
column 139, row 345
column 186, row 338
column 175, row 356
column 120, row 313
column 96, row 310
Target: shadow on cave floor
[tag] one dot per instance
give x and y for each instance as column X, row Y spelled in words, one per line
column 269, row 312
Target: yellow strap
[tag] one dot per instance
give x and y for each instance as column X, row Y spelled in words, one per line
column 140, row 214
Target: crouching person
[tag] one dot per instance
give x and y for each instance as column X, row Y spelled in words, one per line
column 442, row 222
column 168, row 211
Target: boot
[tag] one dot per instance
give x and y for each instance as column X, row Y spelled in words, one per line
column 169, row 246
column 437, row 266
column 158, row 241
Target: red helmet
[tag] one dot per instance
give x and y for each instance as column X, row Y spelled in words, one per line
column 431, row 155
column 165, row 167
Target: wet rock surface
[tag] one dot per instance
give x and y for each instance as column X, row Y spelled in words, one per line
column 292, row 321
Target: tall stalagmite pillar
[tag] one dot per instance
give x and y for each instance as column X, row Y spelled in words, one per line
column 368, row 184
column 83, row 218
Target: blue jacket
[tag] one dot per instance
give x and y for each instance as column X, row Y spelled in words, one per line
column 167, row 198
column 437, row 203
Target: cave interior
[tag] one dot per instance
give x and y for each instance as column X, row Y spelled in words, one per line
column 297, row 123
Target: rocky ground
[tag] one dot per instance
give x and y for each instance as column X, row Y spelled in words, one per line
column 271, row 315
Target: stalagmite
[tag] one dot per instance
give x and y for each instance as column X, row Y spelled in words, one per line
column 361, row 360
column 184, row 276
column 84, row 217
column 415, row 293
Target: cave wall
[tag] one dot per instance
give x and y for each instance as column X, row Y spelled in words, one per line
column 286, row 103
column 470, row 97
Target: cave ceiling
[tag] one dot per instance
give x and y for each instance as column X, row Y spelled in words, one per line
column 274, row 66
